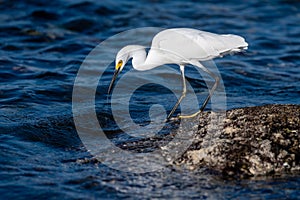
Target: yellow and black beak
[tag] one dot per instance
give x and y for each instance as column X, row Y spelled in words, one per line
column 116, row 73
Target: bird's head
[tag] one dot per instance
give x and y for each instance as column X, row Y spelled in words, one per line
column 121, row 59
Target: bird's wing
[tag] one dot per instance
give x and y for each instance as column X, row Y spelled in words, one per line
column 195, row 44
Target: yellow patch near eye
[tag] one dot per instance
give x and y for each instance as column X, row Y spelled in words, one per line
column 119, row 65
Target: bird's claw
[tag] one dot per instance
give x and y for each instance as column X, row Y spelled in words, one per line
column 189, row 116
column 171, row 119
column 178, row 117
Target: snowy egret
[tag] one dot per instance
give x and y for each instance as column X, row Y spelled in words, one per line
column 181, row 46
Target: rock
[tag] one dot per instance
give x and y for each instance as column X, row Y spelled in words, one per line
column 252, row 141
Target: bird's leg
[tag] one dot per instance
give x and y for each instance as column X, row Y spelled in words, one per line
column 182, row 94
column 211, row 91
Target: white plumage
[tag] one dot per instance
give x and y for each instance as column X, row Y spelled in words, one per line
column 195, row 44
column 180, row 46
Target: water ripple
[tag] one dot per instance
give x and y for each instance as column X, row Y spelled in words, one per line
column 42, row 45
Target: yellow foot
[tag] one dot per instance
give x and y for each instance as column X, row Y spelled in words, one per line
column 189, row 116
column 171, row 119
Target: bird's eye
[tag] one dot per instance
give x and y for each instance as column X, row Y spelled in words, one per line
column 119, row 64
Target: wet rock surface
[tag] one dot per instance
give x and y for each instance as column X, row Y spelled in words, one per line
column 250, row 141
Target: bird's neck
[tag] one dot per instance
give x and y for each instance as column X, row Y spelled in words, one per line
column 140, row 61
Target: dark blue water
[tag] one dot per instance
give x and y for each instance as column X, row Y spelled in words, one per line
column 42, row 45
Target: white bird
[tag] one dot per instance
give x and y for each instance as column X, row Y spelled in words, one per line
column 181, row 46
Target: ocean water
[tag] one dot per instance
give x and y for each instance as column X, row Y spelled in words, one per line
column 42, row 47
